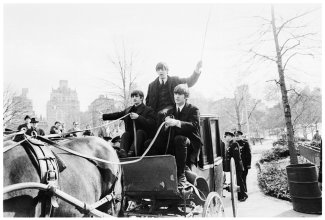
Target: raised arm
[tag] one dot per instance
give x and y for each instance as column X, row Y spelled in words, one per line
column 190, row 81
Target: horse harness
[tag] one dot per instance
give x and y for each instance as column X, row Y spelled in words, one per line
column 110, row 197
column 48, row 169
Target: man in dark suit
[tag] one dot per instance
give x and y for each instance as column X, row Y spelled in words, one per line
column 34, row 127
column 160, row 96
column 232, row 150
column 245, row 153
column 27, row 125
column 144, row 118
column 185, row 141
column 56, row 128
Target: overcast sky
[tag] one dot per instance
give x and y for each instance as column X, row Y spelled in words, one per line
column 44, row 43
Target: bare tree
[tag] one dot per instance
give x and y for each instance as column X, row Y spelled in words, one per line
column 306, row 108
column 232, row 110
column 288, row 44
column 13, row 107
column 123, row 62
column 244, row 105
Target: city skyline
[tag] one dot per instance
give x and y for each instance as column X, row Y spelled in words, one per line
column 63, row 106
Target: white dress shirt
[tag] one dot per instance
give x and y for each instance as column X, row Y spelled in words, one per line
column 180, row 110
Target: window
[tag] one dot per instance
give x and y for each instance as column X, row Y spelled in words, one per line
column 214, row 137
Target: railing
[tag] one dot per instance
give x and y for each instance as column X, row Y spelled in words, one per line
column 312, row 154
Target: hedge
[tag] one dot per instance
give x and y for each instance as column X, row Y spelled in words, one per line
column 277, row 153
column 273, row 180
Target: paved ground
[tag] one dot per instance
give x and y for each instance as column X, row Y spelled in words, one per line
column 258, row 204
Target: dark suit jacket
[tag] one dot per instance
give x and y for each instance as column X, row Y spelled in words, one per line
column 232, row 151
column 39, row 131
column 22, row 126
column 245, row 152
column 172, row 82
column 54, row 130
column 190, row 128
column 146, row 120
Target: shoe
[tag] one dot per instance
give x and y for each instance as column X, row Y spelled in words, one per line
column 243, row 199
column 182, row 181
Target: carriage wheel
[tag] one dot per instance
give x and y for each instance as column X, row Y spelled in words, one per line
column 213, row 206
column 233, row 187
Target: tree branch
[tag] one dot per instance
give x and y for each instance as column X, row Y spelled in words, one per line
column 290, row 48
column 294, row 54
column 261, row 55
column 291, row 19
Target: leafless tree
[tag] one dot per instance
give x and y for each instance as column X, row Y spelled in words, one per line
column 123, row 62
column 13, row 107
column 233, row 110
column 288, row 45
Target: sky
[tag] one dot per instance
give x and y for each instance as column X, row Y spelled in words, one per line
column 45, row 43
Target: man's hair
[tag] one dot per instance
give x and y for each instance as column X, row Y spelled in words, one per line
column 57, row 122
column 182, row 89
column 161, row 66
column 137, row 93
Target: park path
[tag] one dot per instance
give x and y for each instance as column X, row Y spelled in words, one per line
column 258, row 204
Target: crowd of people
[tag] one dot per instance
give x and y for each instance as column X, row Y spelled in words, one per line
column 31, row 125
column 166, row 102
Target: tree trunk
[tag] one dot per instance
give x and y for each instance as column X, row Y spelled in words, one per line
column 285, row 102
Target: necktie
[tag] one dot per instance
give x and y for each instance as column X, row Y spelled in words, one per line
column 178, row 112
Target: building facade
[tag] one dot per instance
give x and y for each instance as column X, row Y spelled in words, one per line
column 101, row 104
column 63, row 105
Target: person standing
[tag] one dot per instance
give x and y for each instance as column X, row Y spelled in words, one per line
column 104, row 131
column 35, row 128
column 27, row 125
column 232, row 150
column 56, row 128
column 75, row 130
column 245, row 153
column 160, row 96
column 88, row 132
column 317, row 138
column 144, row 118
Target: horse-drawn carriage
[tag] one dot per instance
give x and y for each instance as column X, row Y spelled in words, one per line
column 148, row 185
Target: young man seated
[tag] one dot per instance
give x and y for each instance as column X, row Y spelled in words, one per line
column 185, row 141
column 144, row 118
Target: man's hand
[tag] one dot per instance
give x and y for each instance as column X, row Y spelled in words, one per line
column 198, row 67
column 170, row 122
column 134, row 116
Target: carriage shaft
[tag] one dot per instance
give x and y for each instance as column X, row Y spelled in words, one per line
column 60, row 194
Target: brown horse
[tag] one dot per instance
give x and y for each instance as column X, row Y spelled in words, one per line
column 83, row 179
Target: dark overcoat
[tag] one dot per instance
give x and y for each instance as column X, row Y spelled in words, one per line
column 232, row 151
column 245, row 153
column 190, row 128
column 22, row 126
column 172, row 82
column 146, row 120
